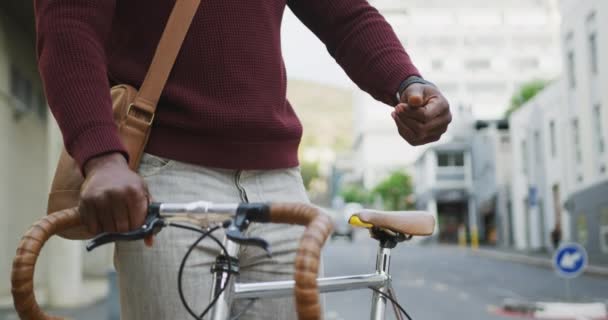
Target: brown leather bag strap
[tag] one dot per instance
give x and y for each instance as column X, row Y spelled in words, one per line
column 164, row 58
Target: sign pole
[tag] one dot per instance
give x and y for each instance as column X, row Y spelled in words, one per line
column 568, row 290
column 570, row 261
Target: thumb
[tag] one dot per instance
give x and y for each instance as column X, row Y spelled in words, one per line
column 149, row 241
column 413, row 95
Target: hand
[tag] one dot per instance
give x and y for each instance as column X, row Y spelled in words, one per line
column 113, row 198
column 423, row 114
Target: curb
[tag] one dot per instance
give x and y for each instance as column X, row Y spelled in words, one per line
column 554, row 310
column 593, row 270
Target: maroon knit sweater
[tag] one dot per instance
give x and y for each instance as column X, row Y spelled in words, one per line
column 225, row 102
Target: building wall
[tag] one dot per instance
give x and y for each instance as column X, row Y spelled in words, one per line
column 539, row 158
column 23, row 153
column 587, row 100
column 30, row 143
column 587, row 91
column 490, row 152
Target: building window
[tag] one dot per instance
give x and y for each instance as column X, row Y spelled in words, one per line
column 21, row 90
column 604, row 229
column 593, row 53
column 530, row 63
column 576, row 140
column 477, row 64
column 538, row 158
column 459, row 159
column 524, row 157
column 571, row 69
column 442, row 160
column 437, row 64
column 592, row 43
column 41, row 106
column 582, row 229
column 597, row 119
column 453, row 159
column 552, row 138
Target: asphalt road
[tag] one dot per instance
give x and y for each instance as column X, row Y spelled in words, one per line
column 439, row 282
column 432, row 283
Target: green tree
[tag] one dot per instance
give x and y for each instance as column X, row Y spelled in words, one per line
column 355, row 193
column 395, row 190
column 524, row 93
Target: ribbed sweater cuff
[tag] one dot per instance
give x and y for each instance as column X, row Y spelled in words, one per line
column 394, row 80
column 96, row 141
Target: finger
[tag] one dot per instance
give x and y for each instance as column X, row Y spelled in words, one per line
column 104, row 213
column 138, row 206
column 429, row 139
column 404, row 110
column 120, row 212
column 436, row 132
column 440, row 122
column 414, row 95
column 435, row 106
column 412, row 125
column 149, row 241
column 88, row 218
column 405, row 132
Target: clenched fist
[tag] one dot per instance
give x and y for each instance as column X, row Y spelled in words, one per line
column 113, row 198
column 423, row 114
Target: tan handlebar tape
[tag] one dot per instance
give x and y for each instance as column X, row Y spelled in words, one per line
column 318, row 228
column 22, row 276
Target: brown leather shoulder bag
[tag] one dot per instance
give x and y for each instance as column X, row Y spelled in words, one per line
column 133, row 113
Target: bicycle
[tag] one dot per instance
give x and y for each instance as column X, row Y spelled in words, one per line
column 389, row 228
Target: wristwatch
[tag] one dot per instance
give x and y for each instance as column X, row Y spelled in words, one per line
column 407, row 82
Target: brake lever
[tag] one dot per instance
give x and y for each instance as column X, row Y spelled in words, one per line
column 234, row 234
column 152, row 225
column 242, row 219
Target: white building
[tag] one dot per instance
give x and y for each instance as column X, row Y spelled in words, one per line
column 560, row 178
column 443, row 181
column 584, row 33
column 491, row 161
column 541, row 145
column 29, row 149
column 477, row 52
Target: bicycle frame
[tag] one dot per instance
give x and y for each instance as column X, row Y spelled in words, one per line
column 236, row 291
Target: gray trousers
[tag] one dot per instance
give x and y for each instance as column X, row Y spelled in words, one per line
column 148, row 276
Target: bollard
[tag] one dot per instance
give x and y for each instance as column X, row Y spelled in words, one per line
column 462, row 236
column 474, row 238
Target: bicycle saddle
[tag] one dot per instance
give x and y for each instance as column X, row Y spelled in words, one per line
column 415, row 223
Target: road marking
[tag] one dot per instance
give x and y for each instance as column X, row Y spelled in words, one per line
column 416, row 283
column 463, row 296
column 333, row 315
column 454, row 278
column 504, row 292
column 440, row 287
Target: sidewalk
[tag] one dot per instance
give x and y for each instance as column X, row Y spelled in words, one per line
column 534, row 259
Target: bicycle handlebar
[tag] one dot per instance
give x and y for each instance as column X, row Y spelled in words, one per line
column 22, row 276
column 318, row 229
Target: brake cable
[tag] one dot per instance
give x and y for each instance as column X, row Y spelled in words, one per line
column 203, row 235
column 392, row 299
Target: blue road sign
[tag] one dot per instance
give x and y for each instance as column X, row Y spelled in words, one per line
column 570, row 260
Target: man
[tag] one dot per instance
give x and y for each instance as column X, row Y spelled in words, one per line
column 223, row 132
